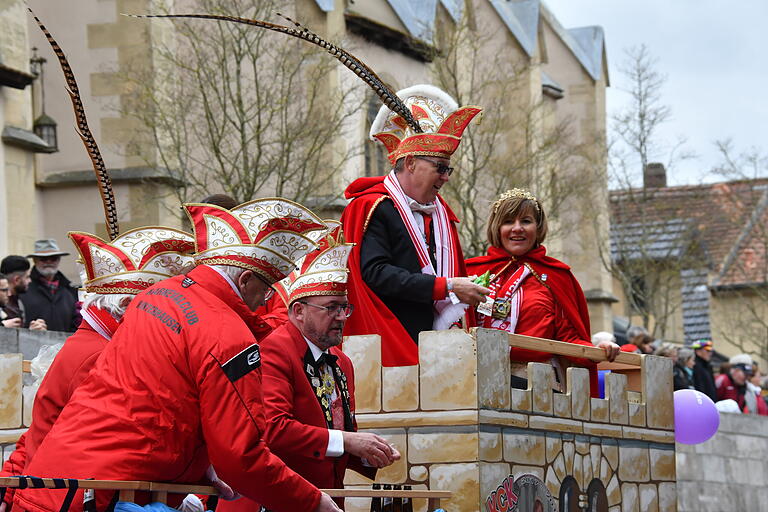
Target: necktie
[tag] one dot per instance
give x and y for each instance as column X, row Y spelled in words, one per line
column 327, row 363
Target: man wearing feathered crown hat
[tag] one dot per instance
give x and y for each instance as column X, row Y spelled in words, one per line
column 405, row 270
column 178, row 388
column 309, row 383
column 147, row 255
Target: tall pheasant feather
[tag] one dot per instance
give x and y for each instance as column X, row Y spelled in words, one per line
column 102, row 176
column 358, row 67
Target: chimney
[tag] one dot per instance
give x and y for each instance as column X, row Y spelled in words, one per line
column 655, row 175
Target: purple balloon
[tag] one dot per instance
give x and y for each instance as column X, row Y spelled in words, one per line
column 696, row 417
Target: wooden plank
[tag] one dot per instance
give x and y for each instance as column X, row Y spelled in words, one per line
column 128, row 486
column 633, row 373
column 127, row 495
column 433, row 504
column 181, row 488
column 570, row 349
column 370, row 493
column 115, row 485
column 160, row 496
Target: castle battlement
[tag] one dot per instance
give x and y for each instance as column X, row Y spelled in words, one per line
column 460, row 427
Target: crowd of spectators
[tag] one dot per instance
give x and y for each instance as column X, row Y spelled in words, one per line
column 736, row 386
column 37, row 295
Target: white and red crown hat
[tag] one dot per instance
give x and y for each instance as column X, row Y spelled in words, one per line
column 441, row 119
column 324, row 271
column 135, row 260
column 267, row 236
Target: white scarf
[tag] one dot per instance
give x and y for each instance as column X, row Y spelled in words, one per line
column 447, row 311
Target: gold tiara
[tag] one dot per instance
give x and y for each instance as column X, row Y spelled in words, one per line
column 515, row 193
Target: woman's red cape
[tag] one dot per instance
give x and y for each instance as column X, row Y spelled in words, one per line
column 371, row 316
column 564, row 287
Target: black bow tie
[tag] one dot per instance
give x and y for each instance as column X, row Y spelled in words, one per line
column 328, row 359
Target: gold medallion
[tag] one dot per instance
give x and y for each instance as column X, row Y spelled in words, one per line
column 501, row 308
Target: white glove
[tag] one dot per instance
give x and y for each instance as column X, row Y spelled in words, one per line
column 191, row 503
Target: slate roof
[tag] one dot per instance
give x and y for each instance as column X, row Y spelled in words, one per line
column 727, row 219
column 586, row 43
column 325, row 5
column 522, row 20
column 695, row 304
column 418, row 17
column 588, row 48
column 454, row 7
column 654, row 240
column 521, row 17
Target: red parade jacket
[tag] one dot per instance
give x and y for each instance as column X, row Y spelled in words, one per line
column 296, row 427
column 557, row 311
column 177, row 389
column 372, row 315
column 727, row 389
column 68, row 370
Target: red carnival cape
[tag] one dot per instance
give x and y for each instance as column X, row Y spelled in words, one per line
column 565, row 289
column 371, row 315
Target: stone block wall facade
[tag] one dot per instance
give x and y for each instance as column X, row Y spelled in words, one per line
column 17, row 390
column 460, row 427
column 727, row 472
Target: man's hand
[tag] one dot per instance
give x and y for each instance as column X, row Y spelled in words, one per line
column 611, row 349
column 2, row 506
column 326, row 504
column 223, row 489
column 371, row 447
column 469, row 292
column 11, row 322
column 38, row 325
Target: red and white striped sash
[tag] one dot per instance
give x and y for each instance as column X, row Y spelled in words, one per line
column 445, row 256
column 509, row 290
column 101, row 321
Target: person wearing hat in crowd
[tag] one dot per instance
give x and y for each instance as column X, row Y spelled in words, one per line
column 703, row 378
column 16, row 270
column 115, row 272
column 734, row 385
column 178, row 388
column 50, row 295
column 406, row 267
column 309, row 383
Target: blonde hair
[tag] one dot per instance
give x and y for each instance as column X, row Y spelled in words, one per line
column 511, row 208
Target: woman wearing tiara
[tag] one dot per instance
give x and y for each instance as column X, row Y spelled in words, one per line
column 531, row 293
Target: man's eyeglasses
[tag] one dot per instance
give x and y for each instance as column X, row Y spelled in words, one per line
column 333, row 310
column 440, row 167
column 270, row 291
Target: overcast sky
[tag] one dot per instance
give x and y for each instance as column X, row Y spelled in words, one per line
column 713, row 53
